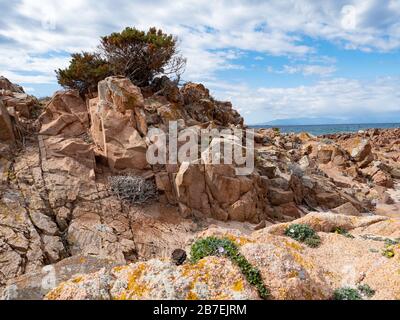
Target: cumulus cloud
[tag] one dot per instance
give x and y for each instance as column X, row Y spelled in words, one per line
column 205, row 29
column 306, row 70
column 37, row 36
column 344, row 98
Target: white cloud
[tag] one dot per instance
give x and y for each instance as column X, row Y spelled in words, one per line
column 336, row 98
column 306, row 70
column 35, row 35
column 205, row 28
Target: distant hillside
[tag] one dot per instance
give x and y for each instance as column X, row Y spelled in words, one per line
column 301, row 121
column 391, row 117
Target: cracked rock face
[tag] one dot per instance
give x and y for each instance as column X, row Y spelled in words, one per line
column 59, row 220
column 290, row 270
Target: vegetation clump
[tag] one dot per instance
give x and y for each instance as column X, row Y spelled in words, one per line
column 388, row 251
column 141, row 55
column 342, row 232
column 84, row 72
column 366, row 290
column 303, row 233
column 347, row 293
column 133, row 189
column 212, row 246
column 132, row 53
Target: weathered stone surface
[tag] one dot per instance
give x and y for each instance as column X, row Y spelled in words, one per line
column 347, row 209
column 6, row 126
column 56, row 204
column 36, row 285
column 66, row 114
column 289, row 269
column 6, row 84
column 117, row 116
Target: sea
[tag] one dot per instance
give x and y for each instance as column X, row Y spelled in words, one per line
column 321, row 129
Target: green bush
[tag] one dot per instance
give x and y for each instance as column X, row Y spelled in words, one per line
column 346, row 293
column 84, row 72
column 343, row 232
column 388, row 252
column 212, row 246
column 303, row 233
column 366, row 290
column 135, row 54
column 141, row 55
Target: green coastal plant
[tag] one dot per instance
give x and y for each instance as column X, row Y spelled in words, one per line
column 366, row 290
column 141, row 55
column 212, row 246
column 388, row 251
column 132, row 53
column 346, row 293
column 342, row 232
column 84, row 72
column 303, row 233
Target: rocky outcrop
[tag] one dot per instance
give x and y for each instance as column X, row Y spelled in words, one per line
column 15, row 99
column 66, row 115
column 119, row 123
column 215, row 191
column 289, row 269
column 6, row 127
column 57, row 207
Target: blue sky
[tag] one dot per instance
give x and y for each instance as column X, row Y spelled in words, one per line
column 337, row 60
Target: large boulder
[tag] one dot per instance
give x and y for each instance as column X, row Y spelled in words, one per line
column 360, row 150
column 6, row 84
column 14, row 97
column 215, row 190
column 118, row 123
column 6, row 126
column 203, row 108
column 66, row 114
column 35, row 285
column 289, row 269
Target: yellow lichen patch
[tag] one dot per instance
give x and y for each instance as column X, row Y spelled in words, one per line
column 222, row 296
column 187, row 269
column 301, row 261
column 293, row 274
column 293, row 245
column 238, row 240
column 135, row 289
column 56, row 292
column 192, row 296
column 282, row 294
column 119, row 268
column 332, row 275
column 198, row 272
column 77, row 279
column 238, row 286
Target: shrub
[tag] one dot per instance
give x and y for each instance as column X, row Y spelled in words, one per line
column 346, row 293
column 343, row 232
column 366, row 290
column 133, row 189
column 303, row 233
column 212, row 246
column 141, row 55
column 388, row 252
column 84, row 72
column 132, row 53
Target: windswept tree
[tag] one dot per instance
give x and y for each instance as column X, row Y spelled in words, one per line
column 135, row 54
column 141, row 56
column 84, row 72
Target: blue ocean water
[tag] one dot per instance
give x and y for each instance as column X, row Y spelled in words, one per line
column 330, row 128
